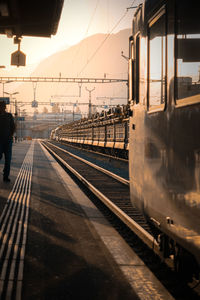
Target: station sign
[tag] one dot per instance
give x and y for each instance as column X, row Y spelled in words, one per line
column 18, row 58
column 5, row 99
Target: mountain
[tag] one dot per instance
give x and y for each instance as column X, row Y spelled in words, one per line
column 94, row 57
column 107, row 59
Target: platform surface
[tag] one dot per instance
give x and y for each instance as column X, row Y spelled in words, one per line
column 57, row 244
column 65, row 257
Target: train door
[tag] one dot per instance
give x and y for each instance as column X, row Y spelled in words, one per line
column 136, row 123
column 156, row 137
column 184, row 159
column 148, row 123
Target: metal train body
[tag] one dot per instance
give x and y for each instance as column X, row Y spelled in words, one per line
column 164, row 131
column 160, row 130
column 106, row 133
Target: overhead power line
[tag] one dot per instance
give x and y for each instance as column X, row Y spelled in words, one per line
column 85, row 35
column 107, row 36
column 87, row 30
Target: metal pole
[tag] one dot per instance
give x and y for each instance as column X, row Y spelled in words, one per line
column 90, row 103
column 34, row 90
column 127, row 58
column 80, row 85
column 16, row 118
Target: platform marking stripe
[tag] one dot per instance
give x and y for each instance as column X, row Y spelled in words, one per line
column 14, row 227
column 10, row 230
column 13, row 230
column 25, row 228
column 13, row 265
column 10, row 213
column 11, row 202
column 17, row 246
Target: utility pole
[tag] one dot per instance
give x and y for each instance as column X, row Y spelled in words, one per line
column 16, row 121
column 90, row 104
column 34, row 103
column 34, row 90
column 127, row 59
column 80, row 85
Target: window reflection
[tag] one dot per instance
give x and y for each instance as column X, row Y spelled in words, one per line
column 188, row 51
column 157, row 68
column 188, row 66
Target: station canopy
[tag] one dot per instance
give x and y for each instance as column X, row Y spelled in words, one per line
column 30, row 17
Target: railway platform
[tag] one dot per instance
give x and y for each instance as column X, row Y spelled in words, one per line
column 55, row 244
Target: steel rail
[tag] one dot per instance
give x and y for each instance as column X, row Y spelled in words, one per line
column 64, row 142
column 115, row 176
column 147, row 238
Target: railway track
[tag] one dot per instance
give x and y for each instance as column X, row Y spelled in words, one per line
column 113, row 191
column 116, row 165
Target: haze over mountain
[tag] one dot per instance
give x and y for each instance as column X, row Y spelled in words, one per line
column 90, row 58
column 70, row 62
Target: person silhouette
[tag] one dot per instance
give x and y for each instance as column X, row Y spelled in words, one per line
column 7, row 128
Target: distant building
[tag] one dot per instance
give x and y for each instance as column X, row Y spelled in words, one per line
column 41, row 124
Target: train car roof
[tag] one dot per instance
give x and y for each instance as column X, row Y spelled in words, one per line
column 30, row 18
column 189, row 12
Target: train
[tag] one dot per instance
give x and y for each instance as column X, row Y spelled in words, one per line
column 105, row 132
column 158, row 131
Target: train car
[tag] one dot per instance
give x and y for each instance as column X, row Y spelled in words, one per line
column 164, row 140
column 105, row 133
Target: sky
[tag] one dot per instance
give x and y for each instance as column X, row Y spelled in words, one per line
column 79, row 19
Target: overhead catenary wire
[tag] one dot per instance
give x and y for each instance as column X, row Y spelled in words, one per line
column 87, row 30
column 108, row 16
column 102, row 43
column 85, row 35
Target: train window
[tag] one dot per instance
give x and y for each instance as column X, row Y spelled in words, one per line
column 120, row 129
column 102, row 133
column 96, row 133
column 90, row 133
column 110, row 133
column 157, row 61
column 187, row 87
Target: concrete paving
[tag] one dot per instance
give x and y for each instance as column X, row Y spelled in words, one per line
column 71, row 251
